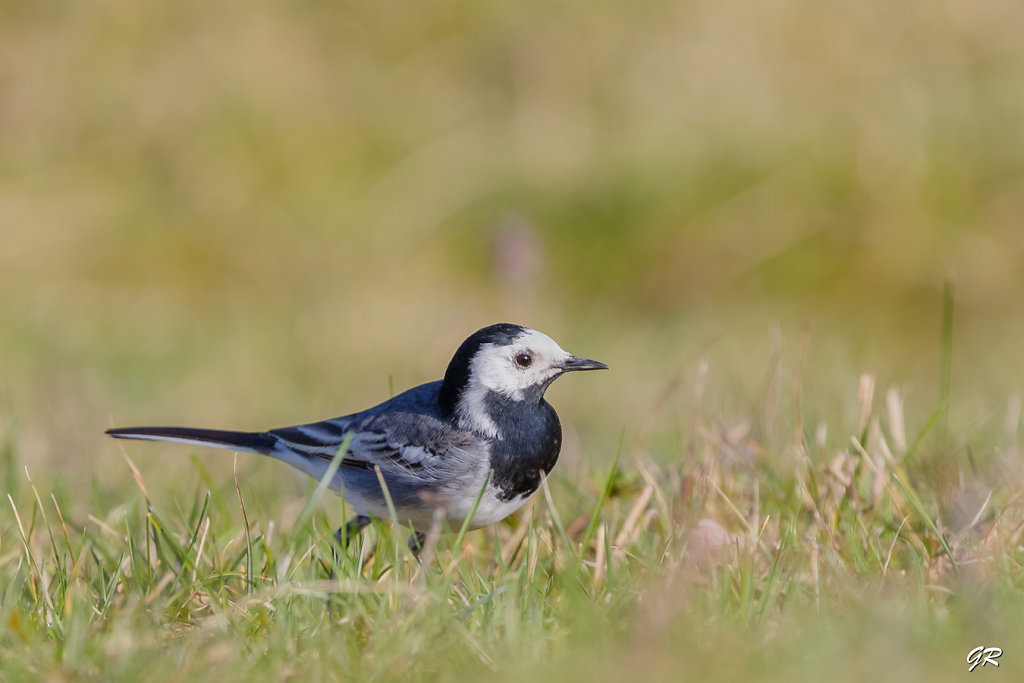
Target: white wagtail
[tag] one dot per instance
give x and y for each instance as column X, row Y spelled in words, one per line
column 435, row 445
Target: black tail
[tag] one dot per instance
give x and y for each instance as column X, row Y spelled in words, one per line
column 255, row 442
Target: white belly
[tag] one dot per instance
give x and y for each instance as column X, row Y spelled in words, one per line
column 490, row 510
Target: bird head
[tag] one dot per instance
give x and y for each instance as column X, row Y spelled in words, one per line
column 515, row 362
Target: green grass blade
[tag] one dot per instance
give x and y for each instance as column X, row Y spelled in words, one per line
column 324, row 483
column 918, row 505
column 946, row 357
column 472, row 511
column 605, row 492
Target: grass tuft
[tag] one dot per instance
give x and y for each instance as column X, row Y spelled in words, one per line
column 667, row 563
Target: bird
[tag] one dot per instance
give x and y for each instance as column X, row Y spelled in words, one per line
column 482, row 437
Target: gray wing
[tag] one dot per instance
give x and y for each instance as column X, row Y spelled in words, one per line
column 404, row 437
column 424, row 460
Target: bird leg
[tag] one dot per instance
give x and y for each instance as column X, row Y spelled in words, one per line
column 416, row 541
column 345, row 534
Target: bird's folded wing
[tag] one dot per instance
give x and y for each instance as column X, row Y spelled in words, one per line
column 391, row 441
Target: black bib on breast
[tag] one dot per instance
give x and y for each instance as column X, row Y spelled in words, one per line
column 528, row 443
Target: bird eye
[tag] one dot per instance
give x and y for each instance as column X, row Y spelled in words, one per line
column 523, row 360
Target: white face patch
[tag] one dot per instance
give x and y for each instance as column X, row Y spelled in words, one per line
column 496, row 368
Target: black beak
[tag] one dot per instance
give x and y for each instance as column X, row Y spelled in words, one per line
column 575, row 363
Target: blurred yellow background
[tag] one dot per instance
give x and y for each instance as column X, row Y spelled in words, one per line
column 245, row 215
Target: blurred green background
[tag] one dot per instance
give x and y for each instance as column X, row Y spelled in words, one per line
column 246, row 215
